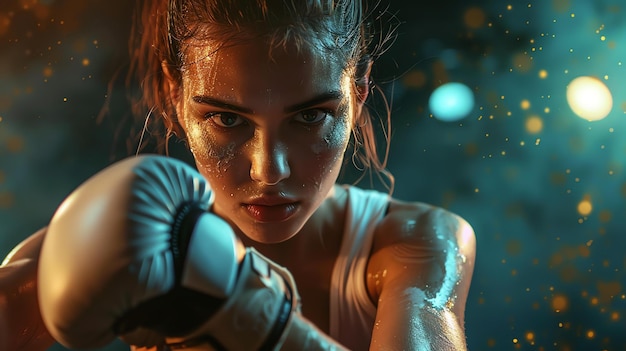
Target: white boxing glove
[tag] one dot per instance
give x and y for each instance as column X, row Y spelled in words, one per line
column 134, row 253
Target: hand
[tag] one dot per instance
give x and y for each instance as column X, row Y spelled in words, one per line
column 134, row 253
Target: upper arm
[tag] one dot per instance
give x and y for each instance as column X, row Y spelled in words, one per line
column 419, row 274
column 29, row 248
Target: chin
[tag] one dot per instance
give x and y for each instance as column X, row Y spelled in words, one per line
column 271, row 233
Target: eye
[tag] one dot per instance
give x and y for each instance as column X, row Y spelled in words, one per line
column 312, row 116
column 225, row 119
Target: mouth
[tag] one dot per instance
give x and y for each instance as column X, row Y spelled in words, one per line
column 265, row 210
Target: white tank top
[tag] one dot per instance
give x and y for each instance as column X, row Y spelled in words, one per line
column 352, row 313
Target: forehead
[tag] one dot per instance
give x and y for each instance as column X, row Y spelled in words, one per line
column 250, row 68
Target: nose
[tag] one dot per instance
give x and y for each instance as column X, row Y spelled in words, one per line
column 269, row 160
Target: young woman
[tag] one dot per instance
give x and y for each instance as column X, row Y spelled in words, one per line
column 268, row 95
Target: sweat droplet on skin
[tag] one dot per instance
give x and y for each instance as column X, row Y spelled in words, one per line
column 437, row 293
column 453, row 261
column 318, row 148
column 223, row 155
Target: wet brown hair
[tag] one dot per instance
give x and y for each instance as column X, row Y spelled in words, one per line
column 344, row 28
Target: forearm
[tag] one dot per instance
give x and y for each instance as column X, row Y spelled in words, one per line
column 423, row 329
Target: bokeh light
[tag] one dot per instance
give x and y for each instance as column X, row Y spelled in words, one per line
column 451, row 102
column 585, row 206
column 474, row 17
column 589, row 98
column 559, row 303
column 5, row 22
column 534, row 124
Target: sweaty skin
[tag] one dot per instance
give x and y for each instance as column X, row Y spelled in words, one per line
column 271, row 161
column 419, row 274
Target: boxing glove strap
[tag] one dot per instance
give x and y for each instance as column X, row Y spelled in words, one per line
column 255, row 316
column 270, row 343
column 182, row 228
column 279, row 326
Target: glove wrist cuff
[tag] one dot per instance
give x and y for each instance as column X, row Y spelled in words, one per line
column 256, row 315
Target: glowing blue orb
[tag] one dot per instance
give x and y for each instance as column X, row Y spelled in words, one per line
column 451, row 102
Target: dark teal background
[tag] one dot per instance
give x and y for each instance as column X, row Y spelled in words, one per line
column 547, row 277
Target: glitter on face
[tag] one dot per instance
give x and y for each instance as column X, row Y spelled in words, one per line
column 248, row 141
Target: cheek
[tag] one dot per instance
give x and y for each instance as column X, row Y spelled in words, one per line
column 337, row 137
column 330, row 149
column 213, row 156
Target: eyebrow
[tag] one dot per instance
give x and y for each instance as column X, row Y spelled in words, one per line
column 207, row 100
column 316, row 100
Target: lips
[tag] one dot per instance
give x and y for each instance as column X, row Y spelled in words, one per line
column 271, row 209
column 276, row 213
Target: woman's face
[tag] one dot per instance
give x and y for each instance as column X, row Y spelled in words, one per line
column 268, row 133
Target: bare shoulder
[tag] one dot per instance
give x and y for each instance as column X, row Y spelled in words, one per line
column 414, row 223
column 425, row 249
